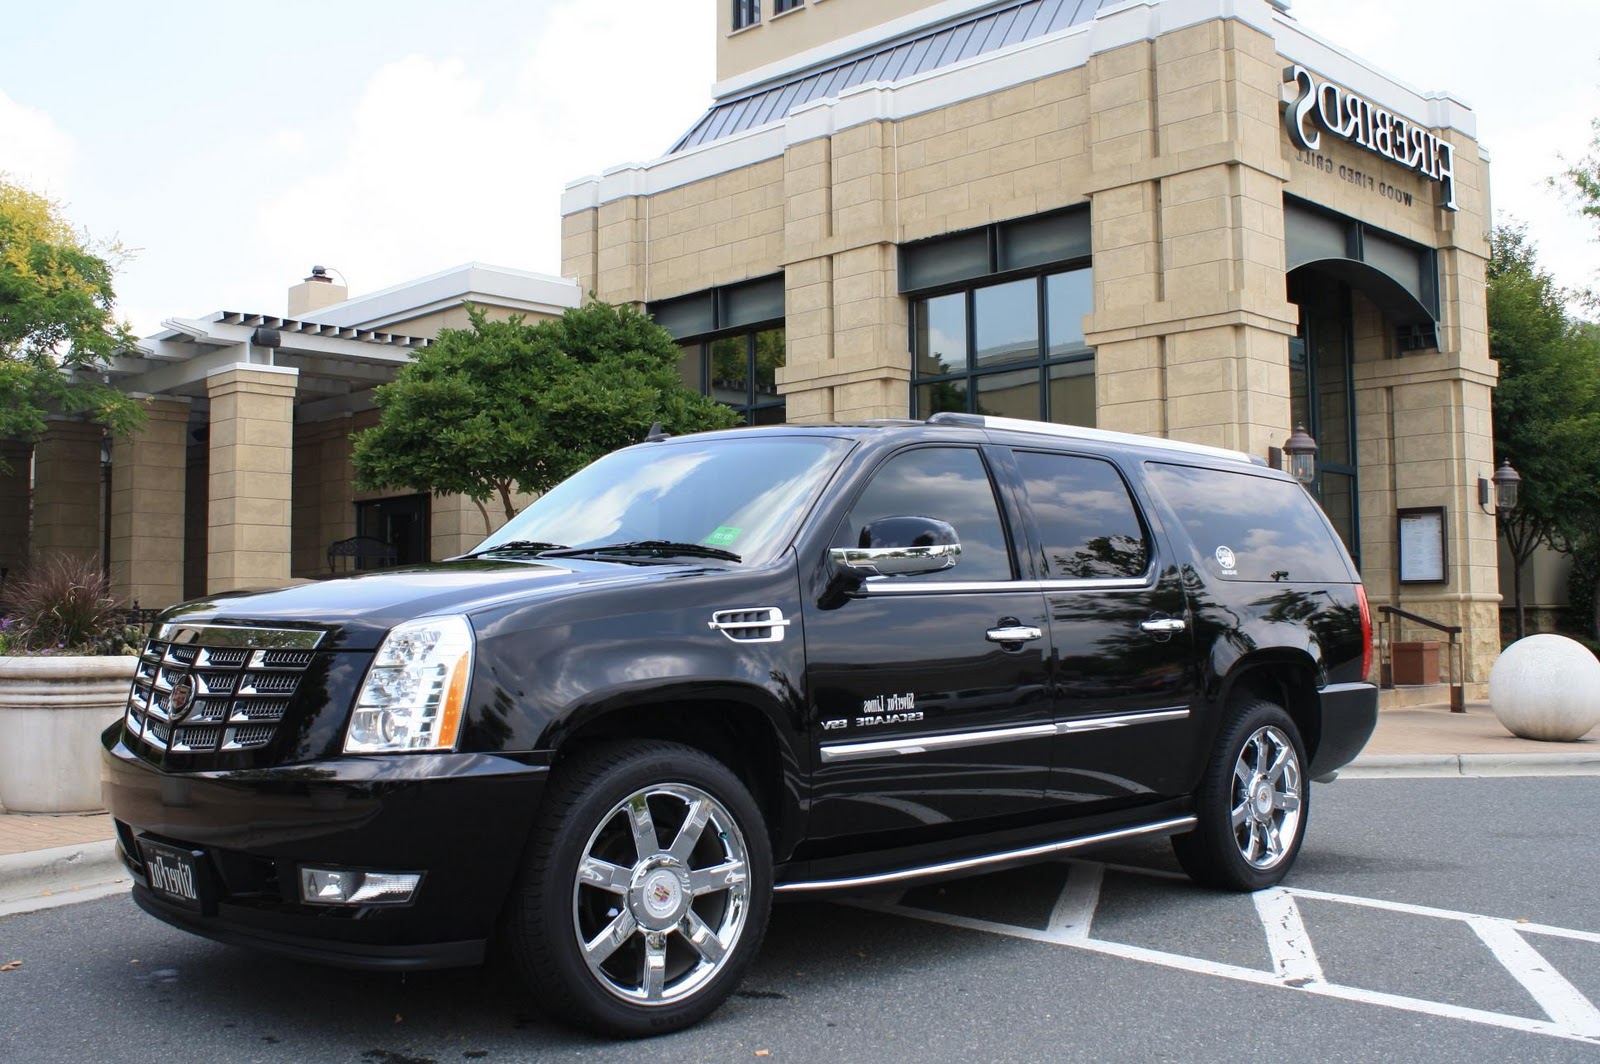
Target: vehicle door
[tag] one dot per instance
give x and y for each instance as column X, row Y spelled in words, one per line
column 929, row 696
column 1124, row 673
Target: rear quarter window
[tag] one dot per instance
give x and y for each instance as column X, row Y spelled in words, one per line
column 1251, row 528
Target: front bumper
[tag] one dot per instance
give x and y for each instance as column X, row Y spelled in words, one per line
column 1349, row 714
column 459, row 819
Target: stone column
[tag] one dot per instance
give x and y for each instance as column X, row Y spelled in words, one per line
column 16, row 500
column 147, row 506
column 252, row 443
column 69, row 490
column 846, row 320
column 1191, row 318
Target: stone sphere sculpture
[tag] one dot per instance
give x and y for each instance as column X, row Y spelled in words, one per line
column 1546, row 687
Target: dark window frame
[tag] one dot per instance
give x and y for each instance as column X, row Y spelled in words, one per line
column 971, row 374
column 1000, row 243
column 746, row 13
column 753, row 405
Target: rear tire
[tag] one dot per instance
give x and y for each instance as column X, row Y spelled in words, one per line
column 1252, row 803
column 644, row 891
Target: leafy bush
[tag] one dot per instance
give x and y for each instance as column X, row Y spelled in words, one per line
column 62, row 604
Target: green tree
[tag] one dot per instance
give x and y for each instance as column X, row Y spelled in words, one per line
column 1581, row 180
column 1546, row 406
column 56, row 320
column 505, row 406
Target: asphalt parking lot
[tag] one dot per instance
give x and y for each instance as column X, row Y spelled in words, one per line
column 1427, row 920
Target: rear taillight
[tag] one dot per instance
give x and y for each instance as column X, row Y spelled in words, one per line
column 1366, row 631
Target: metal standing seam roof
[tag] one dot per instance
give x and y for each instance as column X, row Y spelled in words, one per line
column 892, row 61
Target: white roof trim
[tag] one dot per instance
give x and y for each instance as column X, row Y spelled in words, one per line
column 1112, row 27
column 490, row 284
column 1024, row 61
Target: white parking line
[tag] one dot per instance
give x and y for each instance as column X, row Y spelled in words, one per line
column 1074, row 912
column 1287, row 940
column 1294, row 959
column 1559, row 998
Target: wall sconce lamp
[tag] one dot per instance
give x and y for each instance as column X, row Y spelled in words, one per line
column 1302, row 452
column 1501, row 492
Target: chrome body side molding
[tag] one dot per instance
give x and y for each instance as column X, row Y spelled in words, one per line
column 921, row 744
column 945, row 868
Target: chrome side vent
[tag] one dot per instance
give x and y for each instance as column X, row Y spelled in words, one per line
column 760, row 624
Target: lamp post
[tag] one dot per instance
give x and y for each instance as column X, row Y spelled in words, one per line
column 1501, row 492
column 1302, row 452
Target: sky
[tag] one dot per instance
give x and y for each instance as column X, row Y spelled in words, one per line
column 231, row 146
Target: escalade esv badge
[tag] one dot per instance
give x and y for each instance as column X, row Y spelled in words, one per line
column 718, row 669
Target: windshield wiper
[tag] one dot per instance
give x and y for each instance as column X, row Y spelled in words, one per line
column 647, row 546
column 519, row 545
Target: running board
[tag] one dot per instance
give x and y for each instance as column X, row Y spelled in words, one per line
column 1028, row 853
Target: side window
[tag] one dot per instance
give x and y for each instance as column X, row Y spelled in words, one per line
column 1247, row 527
column 1086, row 519
column 947, row 483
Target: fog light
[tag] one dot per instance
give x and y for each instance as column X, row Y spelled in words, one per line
column 334, row 886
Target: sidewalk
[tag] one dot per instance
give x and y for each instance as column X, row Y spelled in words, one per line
column 75, row 853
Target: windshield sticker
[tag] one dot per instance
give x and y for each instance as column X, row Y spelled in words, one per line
column 1226, row 560
column 724, row 536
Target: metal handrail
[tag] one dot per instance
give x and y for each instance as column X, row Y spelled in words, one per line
column 1456, row 659
column 1449, row 629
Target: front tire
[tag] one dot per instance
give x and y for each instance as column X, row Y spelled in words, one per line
column 1252, row 803
column 645, row 890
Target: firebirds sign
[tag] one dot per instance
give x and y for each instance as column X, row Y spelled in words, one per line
column 1363, row 123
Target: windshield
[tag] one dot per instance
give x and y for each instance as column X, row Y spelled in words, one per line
column 743, row 496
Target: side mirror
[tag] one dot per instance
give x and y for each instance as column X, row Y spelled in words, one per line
column 900, row 546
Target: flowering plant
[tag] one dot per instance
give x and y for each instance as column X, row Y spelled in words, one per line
column 62, row 605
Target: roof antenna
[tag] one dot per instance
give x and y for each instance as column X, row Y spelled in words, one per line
column 657, row 434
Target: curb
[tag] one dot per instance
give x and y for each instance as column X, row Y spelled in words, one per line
column 1404, row 766
column 39, row 878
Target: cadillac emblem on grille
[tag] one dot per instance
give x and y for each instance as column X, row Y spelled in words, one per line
column 181, row 700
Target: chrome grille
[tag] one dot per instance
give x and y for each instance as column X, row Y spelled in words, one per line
column 233, row 685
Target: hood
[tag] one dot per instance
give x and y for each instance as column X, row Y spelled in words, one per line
column 359, row 610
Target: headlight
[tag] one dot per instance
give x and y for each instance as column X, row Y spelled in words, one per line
column 415, row 690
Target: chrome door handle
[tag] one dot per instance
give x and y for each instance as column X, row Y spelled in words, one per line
column 1019, row 633
column 1163, row 625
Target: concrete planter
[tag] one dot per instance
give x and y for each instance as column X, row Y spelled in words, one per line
column 52, row 711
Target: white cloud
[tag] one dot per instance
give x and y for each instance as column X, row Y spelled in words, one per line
column 33, row 149
column 439, row 163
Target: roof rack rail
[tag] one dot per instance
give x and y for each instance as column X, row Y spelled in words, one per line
column 1078, row 432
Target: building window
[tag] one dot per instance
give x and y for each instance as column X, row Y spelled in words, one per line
column 401, row 522
column 746, row 13
column 733, row 344
column 739, row 371
column 997, row 320
column 1015, row 349
column 780, row 6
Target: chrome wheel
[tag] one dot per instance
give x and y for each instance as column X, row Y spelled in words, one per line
column 662, row 894
column 1266, row 798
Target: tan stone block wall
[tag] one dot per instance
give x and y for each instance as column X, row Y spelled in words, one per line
column 250, row 478
column 148, row 505
column 68, row 490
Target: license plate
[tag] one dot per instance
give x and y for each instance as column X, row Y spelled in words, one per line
column 172, row 873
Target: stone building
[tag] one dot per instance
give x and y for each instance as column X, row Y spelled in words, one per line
column 241, row 476
column 1190, row 218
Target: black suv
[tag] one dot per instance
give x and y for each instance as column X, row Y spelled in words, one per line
column 710, row 669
